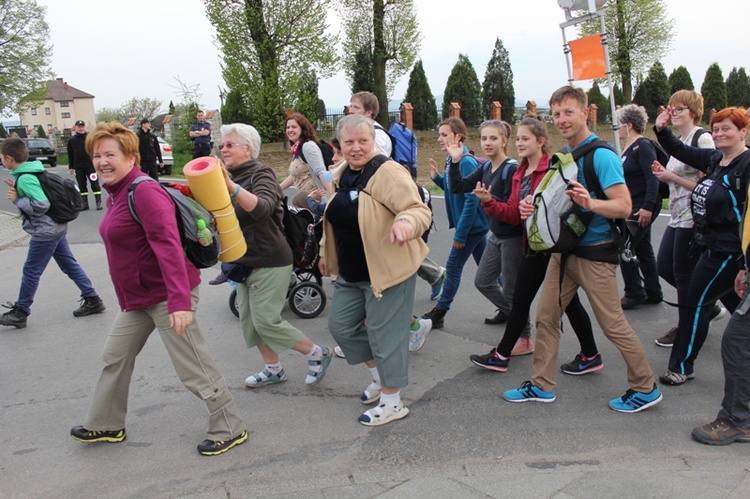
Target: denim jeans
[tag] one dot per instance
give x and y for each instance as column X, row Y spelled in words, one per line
column 39, row 255
column 474, row 246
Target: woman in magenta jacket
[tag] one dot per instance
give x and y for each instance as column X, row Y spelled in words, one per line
column 157, row 288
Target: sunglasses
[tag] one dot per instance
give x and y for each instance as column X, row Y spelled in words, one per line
column 230, row 145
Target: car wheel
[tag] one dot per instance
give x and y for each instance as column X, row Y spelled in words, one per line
column 52, row 164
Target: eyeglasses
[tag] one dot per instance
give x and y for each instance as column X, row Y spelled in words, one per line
column 230, row 145
column 680, row 109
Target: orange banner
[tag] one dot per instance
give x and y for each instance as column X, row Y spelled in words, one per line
column 588, row 58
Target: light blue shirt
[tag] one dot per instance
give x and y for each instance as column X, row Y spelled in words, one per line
column 608, row 168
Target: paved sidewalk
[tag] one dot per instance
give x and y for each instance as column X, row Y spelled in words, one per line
column 10, row 230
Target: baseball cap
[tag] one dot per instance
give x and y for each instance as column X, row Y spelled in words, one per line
column 80, row 123
column 145, row 120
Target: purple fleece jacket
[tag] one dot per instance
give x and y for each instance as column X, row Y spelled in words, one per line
column 146, row 262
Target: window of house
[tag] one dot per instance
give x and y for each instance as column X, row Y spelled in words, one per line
column 66, row 115
column 47, row 111
column 65, row 104
column 33, row 111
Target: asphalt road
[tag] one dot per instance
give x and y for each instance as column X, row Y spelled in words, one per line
column 460, row 440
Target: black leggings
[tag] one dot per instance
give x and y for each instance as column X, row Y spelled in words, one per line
column 531, row 276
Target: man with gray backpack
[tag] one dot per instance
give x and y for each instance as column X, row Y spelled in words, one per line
column 591, row 264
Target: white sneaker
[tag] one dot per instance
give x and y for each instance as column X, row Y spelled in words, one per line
column 419, row 336
column 381, row 415
column 339, row 353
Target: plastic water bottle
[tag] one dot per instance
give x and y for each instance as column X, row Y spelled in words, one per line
column 204, row 235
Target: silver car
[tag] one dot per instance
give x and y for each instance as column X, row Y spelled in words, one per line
column 166, row 156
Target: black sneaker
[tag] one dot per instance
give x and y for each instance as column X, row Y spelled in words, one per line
column 499, row 318
column 216, row 447
column 629, row 303
column 491, row 361
column 89, row 306
column 436, row 315
column 583, row 365
column 90, row 436
column 15, row 317
column 718, row 312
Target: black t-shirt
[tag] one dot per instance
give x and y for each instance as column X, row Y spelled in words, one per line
column 342, row 214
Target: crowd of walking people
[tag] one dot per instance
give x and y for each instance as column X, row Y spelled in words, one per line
column 374, row 218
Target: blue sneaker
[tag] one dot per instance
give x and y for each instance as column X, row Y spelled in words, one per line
column 529, row 392
column 437, row 288
column 634, row 401
column 313, row 378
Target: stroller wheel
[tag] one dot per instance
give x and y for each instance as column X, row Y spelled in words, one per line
column 233, row 303
column 307, row 299
column 309, row 276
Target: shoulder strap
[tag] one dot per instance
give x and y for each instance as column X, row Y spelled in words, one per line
column 370, row 168
column 131, row 196
column 593, row 185
column 697, row 136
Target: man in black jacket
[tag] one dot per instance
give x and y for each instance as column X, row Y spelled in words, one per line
column 148, row 147
column 80, row 162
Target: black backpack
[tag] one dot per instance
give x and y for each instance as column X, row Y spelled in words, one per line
column 188, row 212
column 325, row 149
column 63, row 195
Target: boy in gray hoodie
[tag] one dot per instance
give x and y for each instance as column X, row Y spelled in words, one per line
column 47, row 237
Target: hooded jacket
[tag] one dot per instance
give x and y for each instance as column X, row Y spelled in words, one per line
column 33, row 203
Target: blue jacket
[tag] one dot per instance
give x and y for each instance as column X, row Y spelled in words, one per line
column 464, row 211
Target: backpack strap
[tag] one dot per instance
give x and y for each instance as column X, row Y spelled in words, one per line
column 697, row 136
column 592, row 182
column 131, row 196
column 370, row 169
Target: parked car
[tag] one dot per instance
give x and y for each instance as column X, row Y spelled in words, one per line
column 166, row 156
column 42, row 150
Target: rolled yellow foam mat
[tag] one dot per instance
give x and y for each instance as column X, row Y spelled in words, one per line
column 206, row 181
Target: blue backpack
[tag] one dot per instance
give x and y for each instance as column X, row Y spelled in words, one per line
column 404, row 145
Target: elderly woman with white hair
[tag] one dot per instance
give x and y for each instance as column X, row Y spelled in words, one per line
column 257, row 199
column 371, row 240
column 638, row 155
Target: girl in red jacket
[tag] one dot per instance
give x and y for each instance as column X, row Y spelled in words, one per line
column 531, row 143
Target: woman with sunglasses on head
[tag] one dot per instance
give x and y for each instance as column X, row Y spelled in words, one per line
column 531, row 143
column 716, row 202
column 257, row 198
column 504, row 250
column 674, row 261
column 307, row 169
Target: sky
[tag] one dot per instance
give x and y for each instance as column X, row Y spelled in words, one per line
column 119, row 50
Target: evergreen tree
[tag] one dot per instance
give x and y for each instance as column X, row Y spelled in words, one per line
column 171, row 107
column 680, row 80
column 463, row 87
column 498, row 83
column 714, row 91
column 419, row 95
column 307, row 99
column 40, row 132
column 656, row 91
column 602, row 103
column 738, row 88
column 234, row 109
column 362, row 79
column 619, row 95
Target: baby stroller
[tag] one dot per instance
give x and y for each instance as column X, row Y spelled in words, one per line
column 303, row 232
